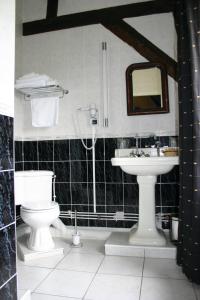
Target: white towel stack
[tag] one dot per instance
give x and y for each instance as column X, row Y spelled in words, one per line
column 44, row 110
column 34, row 80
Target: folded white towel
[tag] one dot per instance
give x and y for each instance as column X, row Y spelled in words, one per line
column 35, row 84
column 45, row 111
column 32, row 77
column 34, row 80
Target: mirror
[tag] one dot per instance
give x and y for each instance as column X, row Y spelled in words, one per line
column 147, row 89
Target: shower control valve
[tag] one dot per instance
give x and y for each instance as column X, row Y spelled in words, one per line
column 93, row 121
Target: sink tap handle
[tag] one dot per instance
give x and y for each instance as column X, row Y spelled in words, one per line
column 157, row 143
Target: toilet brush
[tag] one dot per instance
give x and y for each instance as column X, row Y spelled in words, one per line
column 76, row 236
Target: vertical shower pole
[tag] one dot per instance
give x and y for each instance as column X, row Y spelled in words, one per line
column 93, row 169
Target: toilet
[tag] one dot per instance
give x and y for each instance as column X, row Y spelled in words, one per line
column 33, row 191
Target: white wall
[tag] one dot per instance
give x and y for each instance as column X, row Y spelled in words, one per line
column 73, row 57
column 7, row 56
column 19, row 109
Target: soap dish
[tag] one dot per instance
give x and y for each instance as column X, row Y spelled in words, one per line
column 171, row 151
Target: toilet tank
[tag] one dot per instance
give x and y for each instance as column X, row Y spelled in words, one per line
column 33, row 188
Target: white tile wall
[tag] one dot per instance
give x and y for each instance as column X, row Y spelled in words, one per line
column 73, row 57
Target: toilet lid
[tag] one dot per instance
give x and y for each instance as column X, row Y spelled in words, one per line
column 38, row 206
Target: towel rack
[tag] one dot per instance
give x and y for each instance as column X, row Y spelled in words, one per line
column 43, row 91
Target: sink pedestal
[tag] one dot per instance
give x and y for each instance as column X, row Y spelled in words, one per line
column 146, row 232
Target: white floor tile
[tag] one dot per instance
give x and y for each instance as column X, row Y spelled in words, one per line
column 20, row 293
column 30, row 277
column 36, row 296
column 90, row 246
column 122, row 265
column 84, row 262
column 45, row 262
column 162, row 268
column 114, row 287
column 63, row 243
column 66, row 283
column 166, row 289
column 23, row 294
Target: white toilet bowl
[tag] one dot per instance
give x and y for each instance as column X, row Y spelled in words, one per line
column 39, row 220
column 33, row 191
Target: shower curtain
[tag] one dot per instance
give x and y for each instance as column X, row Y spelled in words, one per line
column 188, row 27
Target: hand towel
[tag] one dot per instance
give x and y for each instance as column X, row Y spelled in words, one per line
column 45, row 111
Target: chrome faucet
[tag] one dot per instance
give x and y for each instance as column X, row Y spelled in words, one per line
column 158, row 147
column 137, row 144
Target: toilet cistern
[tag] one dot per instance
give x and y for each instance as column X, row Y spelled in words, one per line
column 146, row 169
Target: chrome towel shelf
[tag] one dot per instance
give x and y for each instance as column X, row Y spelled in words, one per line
column 44, row 91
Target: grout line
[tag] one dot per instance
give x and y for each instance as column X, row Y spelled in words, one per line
column 7, row 226
column 55, row 295
column 123, row 275
column 142, row 279
column 70, row 177
column 38, row 159
column 53, row 159
column 88, row 195
column 32, row 291
column 8, row 170
column 7, row 281
column 93, row 277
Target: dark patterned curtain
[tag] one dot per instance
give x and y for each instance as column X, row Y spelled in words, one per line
column 188, row 26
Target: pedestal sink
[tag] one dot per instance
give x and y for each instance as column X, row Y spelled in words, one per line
column 146, row 169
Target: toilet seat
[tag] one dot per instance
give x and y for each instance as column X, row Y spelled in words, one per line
column 33, row 208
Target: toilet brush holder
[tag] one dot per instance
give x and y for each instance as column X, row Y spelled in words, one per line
column 76, row 241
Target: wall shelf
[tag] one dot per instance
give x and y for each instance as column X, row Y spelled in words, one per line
column 44, row 91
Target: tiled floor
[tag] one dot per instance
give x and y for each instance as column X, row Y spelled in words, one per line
column 85, row 273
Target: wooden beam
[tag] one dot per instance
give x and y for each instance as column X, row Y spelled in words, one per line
column 52, row 9
column 96, row 16
column 147, row 49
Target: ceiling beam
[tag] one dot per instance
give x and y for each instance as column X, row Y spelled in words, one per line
column 54, row 22
column 52, row 9
column 142, row 45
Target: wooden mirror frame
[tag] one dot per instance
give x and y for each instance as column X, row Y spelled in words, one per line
column 129, row 89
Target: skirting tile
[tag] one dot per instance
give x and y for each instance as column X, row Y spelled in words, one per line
column 118, row 244
column 26, row 255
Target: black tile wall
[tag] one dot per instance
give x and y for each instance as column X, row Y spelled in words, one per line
column 115, row 190
column 7, row 257
column 19, row 153
column 77, row 151
column 30, row 165
column 30, row 151
column 63, row 193
column 7, row 210
column 61, row 150
column 45, row 151
column 62, row 171
column 7, row 213
column 100, row 194
column 6, row 143
column 9, row 291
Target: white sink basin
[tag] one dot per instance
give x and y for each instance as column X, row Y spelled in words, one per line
column 146, row 166
column 146, row 169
